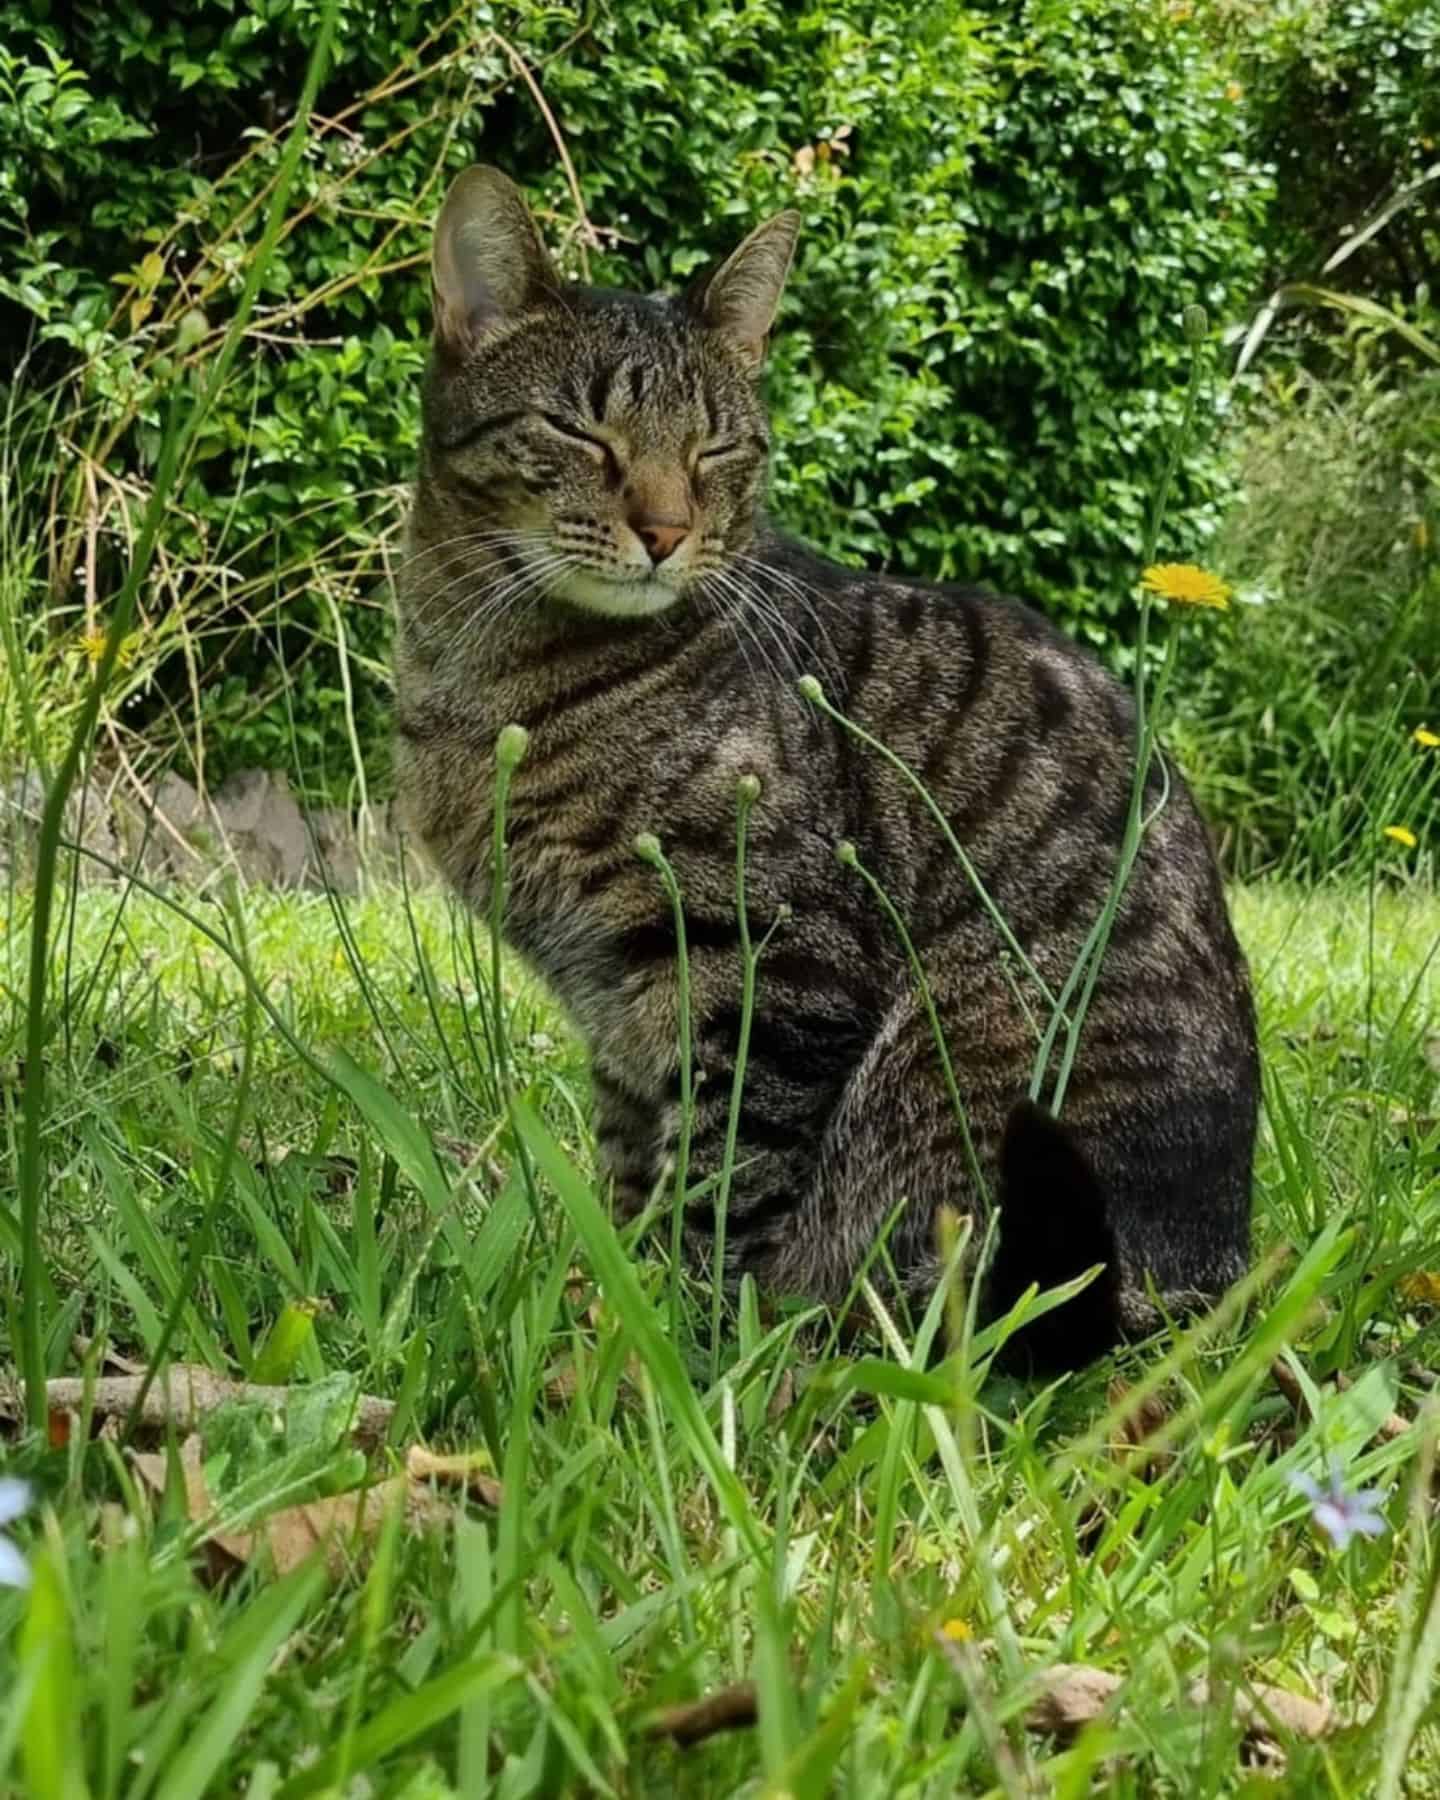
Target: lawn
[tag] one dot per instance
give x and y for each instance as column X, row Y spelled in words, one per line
column 313, row 1180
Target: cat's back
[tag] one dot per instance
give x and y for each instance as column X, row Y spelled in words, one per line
column 1027, row 745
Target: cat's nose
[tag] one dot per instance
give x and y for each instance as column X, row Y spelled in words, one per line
column 659, row 537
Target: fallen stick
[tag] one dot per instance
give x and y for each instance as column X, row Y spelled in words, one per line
column 727, row 1709
column 1069, row 1697
column 181, row 1396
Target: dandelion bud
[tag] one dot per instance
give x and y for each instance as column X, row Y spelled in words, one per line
column 846, row 854
column 1196, row 324
column 810, row 688
column 646, row 846
column 748, row 788
column 511, row 745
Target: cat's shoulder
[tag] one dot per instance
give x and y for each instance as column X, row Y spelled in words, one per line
column 909, row 605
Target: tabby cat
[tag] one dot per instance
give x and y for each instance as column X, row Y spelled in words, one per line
column 589, row 557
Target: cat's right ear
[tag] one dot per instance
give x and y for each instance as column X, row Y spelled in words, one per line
column 488, row 263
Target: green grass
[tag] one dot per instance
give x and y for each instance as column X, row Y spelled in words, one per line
column 806, row 1519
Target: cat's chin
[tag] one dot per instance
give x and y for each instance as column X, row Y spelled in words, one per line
column 612, row 599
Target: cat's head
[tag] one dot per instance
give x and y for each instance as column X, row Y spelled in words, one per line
column 614, row 444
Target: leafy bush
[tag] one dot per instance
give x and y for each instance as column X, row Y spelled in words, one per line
column 1006, row 209
column 1342, row 99
column 1297, row 719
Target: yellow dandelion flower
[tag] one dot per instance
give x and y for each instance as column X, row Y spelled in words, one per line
column 957, row 1631
column 1233, row 90
column 1427, row 740
column 1401, row 834
column 1186, row 585
column 91, row 645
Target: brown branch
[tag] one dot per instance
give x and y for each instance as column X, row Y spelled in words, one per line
column 727, row 1709
column 181, row 1396
column 588, row 239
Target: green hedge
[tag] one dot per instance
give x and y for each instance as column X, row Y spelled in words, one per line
column 1343, row 100
column 1007, row 206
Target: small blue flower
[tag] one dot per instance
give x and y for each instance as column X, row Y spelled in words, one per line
column 1341, row 1515
column 14, row 1500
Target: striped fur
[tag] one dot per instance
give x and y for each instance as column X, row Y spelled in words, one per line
column 564, row 428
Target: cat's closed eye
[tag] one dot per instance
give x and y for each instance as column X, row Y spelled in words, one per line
column 576, row 434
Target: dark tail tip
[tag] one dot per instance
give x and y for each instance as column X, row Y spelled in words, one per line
column 1053, row 1226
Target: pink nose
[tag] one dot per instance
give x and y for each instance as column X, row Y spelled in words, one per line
column 659, row 537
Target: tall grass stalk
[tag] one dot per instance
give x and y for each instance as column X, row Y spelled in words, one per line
column 648, row 848
column 510, row 748
column 176, row 442
column 747, row 792
column 849, row 858
column 812, row 691
column 219, row 1186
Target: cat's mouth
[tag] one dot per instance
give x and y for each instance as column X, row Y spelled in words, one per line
column 616, row 596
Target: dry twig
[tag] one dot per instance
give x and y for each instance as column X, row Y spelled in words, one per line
column 727, row 1709
column 180, row 1396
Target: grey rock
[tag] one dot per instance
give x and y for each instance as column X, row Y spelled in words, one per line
column 263, row 827
column 334, row 852
column 87, row 822
column 172, row 832
column 168, row 833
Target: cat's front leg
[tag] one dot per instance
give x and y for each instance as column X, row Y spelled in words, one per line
column 630, row 1133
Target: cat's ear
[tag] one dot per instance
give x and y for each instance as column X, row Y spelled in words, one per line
column 739, row 298
column 488, row 263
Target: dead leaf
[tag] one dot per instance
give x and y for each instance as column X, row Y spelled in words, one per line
column 348, row 1522
column 465, row 1471
column 803, row 161
column 1139, row 1424
column 1261, row 1708
column 562, row 1383
column 342, row 1524
column 112, row 1362
column 727, row 1709
column 784, row 1396
column 181, row 1396
column 1071, row 1696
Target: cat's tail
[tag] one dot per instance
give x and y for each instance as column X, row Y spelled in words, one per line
column 1054, row 1225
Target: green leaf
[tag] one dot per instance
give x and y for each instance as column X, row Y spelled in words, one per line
column 285, row 1343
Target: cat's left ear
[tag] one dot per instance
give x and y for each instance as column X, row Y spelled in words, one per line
column 739, row 299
